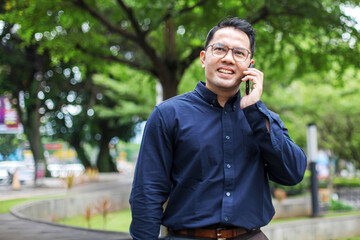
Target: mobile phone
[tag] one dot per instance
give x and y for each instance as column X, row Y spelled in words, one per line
column 247, row 88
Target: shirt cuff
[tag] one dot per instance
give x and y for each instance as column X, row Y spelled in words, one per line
column 256, row 116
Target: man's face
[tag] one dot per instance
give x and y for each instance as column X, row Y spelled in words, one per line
column 224, row 74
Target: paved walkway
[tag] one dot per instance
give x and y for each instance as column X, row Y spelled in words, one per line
column 13, row 228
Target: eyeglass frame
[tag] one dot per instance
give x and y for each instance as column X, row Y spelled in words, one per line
column 228, row 48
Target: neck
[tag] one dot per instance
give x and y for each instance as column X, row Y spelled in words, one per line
column 223, row 97
column 222, row 100
column 223, row 94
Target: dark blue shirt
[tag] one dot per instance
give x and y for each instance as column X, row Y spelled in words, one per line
column 212, row 163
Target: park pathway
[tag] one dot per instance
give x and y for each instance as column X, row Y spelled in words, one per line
column 14, row 228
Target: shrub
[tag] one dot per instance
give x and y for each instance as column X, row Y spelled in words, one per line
column 297, row 189
column 346, row 182
column 339, row 206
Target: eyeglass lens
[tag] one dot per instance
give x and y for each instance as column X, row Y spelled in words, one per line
column 239, row 54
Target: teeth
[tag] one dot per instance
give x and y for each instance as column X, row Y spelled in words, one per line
column 225, row 71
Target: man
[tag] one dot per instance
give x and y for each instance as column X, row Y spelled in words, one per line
column 210, row 152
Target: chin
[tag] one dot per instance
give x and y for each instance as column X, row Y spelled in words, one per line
column 228, row 83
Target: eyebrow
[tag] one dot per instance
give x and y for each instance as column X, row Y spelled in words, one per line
column 229, row 47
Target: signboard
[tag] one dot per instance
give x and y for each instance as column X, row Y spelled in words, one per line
column 53, row 146
column 9, row 120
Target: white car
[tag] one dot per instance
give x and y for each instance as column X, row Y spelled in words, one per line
column 25, row 172
column 3, row 175
column 63, row 170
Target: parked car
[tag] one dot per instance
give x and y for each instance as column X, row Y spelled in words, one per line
column 63, row 170
column 3, row 175
column 25, row 171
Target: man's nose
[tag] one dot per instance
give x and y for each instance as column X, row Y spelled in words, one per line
column 229, row 58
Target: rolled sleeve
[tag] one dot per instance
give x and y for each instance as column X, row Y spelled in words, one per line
column 286, row 161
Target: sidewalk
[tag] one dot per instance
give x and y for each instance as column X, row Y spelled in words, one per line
column 13, row 228
column 55, row 186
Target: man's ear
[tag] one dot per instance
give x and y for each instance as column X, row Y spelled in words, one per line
column 202, row 58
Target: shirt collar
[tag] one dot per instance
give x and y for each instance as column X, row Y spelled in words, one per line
column 211, row 97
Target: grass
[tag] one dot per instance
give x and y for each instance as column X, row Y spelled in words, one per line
column 116, row 221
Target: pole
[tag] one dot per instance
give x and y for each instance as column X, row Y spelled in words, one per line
column 312, row 149
column 159, row 93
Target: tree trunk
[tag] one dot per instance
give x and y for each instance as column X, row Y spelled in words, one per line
column 33, row 135
column 81, row 154
column 170, row 86
column 168, row 78
column 104, row 161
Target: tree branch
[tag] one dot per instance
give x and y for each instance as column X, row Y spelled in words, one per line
column 262, row 13
column 141, row 41
column 187, row 9
column 185, row 63
column 129, row 12
column 246, row 6
column 181, row 11
column 129, row 63
column 104, row 21
column 116, row 59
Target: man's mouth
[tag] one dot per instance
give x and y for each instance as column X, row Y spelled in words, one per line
column 225, row 71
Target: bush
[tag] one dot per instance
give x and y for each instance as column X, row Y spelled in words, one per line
column 346, row 182
column 339, row 206
column 297, row 189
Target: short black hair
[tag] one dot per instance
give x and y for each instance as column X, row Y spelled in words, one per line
column 236, row 23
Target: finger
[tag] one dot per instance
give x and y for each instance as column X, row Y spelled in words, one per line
column 254, row 72
column 248, row 78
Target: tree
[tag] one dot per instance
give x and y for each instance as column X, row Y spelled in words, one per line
column 20, row 78
column 333, row 108
column 57, row 98
column 162, row 38
column 8, row 144
column 117, row 107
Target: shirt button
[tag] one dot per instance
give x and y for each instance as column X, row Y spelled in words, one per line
column 228, row 165
column 227, row 137
column 228, row 194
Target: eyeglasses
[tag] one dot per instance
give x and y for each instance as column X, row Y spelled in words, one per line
column 220, row 51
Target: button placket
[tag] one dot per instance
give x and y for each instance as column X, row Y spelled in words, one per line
column 227, row 161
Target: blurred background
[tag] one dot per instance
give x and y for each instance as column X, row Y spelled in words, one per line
column 79, row 78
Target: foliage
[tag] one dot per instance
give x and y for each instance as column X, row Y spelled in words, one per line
column 346, row 182
column 308, row 51
column 59, row 99
column 163, row 38
column 332, row 107
column 299, row 188
column 88, row 215
column 8, row 143
column 339, row 206
column 102, row 208
column 69, row 180
column 131, row 149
